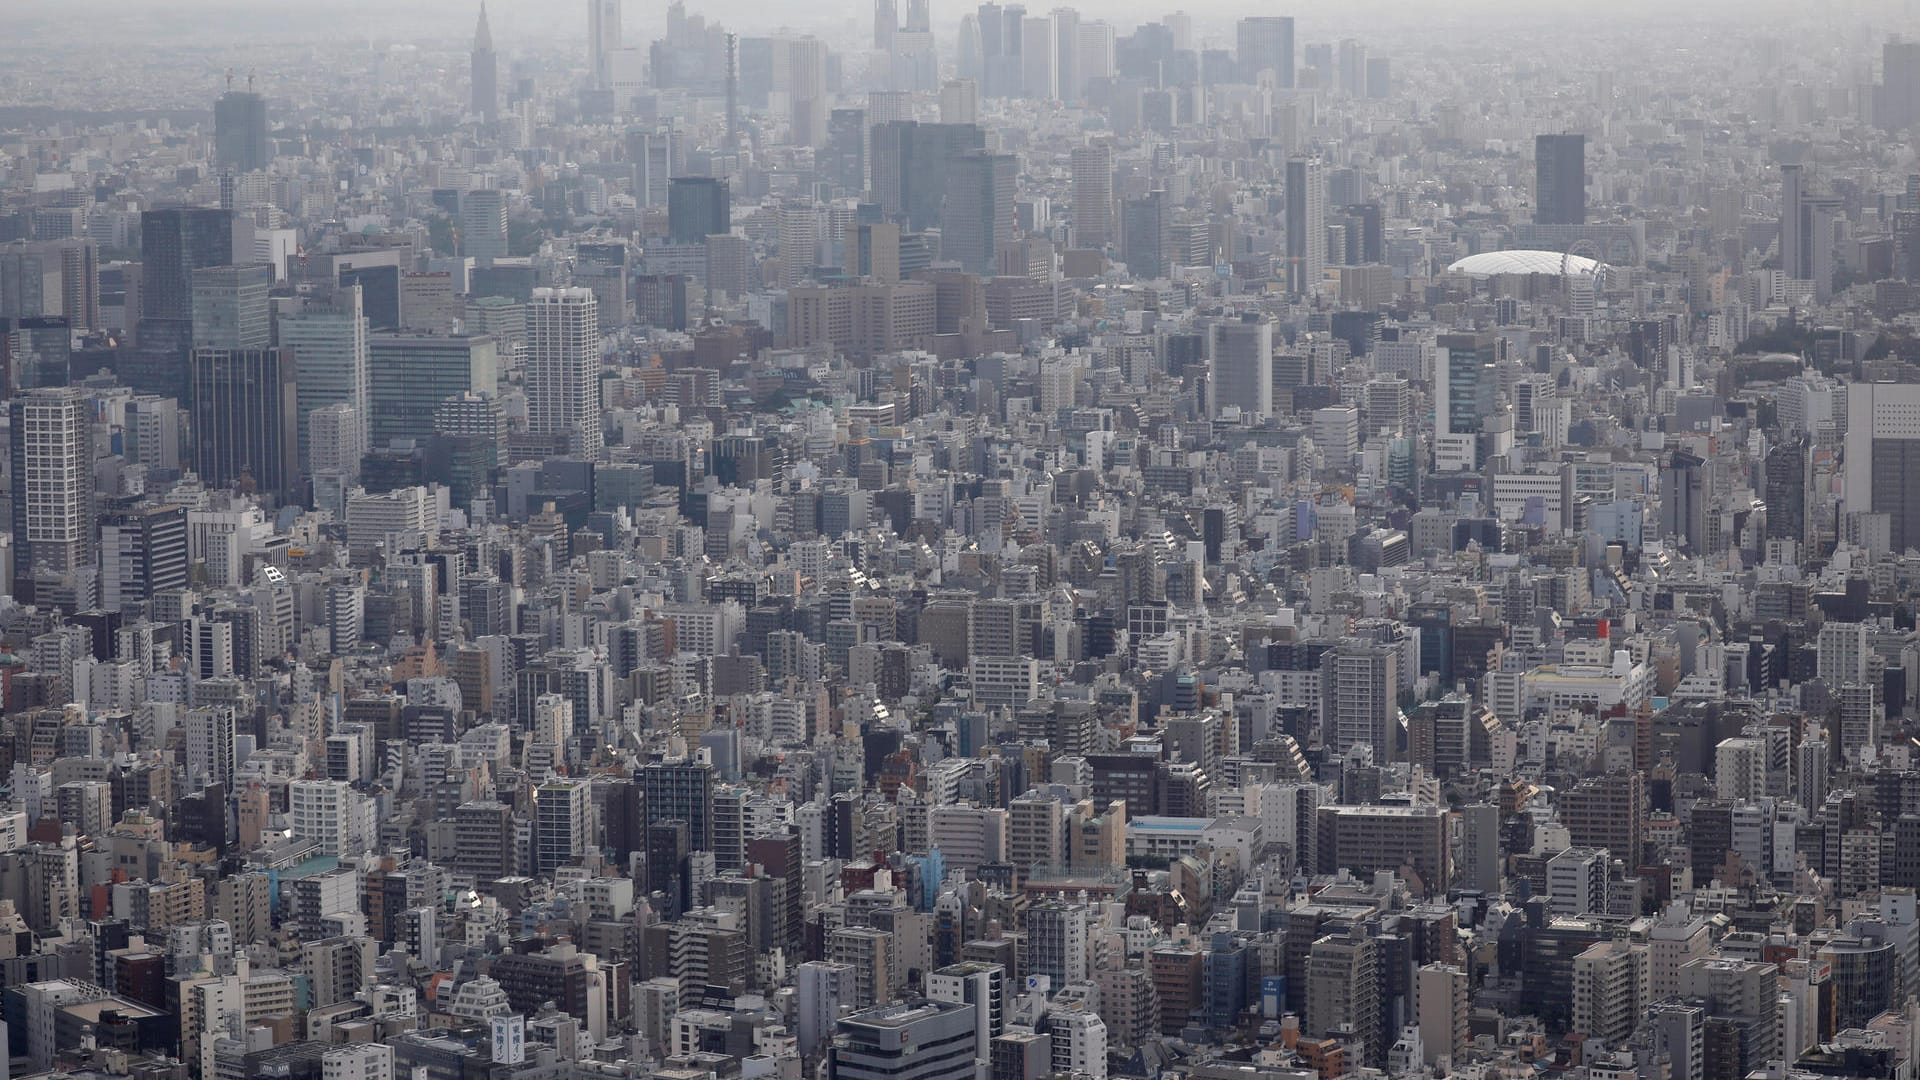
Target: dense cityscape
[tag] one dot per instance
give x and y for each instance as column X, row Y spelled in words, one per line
column 601, row 541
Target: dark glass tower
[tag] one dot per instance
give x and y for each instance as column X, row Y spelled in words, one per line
column 1560, row 179
column 244, row 420
column 698, row 207
column 240, row 141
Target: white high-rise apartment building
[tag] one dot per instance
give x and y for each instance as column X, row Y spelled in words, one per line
column 563, row 365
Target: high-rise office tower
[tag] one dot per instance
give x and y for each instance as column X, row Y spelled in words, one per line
column 1039, row 59
column 1883, row 457
column 143, row 551
column 1266, row 44
column 681, row 791
column 1096, row 52
column 326, row 342
column 174, row 242
column 410, row 375
column 51, row 439
column 1684, row 491
column 36, row 352
column 1353, row 68
column 240, row 140
column 1066, row 50
column 244, row 422
column 978, row 220
column 1788, row 465
column 806, row 88
column 1145, row 226
column 1806, row 232
column 698, row 207
column 1560, row 179
column 1001, row 71
column 41, row 278
column 563, row 366
column 1896, row 98
column 485, row 68
column 231, row 307
column 1463, row 381
column 1306, row 223
column 603, row 40
column 1093, row 195
column 910, row 164
column 886, row 23
column 483, row 225
column 846, row 155
column 959, row 101
column 1240, row 366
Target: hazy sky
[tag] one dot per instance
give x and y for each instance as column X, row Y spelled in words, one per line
column 547, row 17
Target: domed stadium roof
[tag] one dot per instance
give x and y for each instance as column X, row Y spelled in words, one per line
column 1494, row 263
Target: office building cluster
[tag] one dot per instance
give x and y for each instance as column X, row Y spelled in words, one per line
column 962, row 544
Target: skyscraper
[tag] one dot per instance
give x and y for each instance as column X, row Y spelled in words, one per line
column 698, row 207
column 240, row 141
column 978, row 219
column 410, row 375
column 51, row 437
column 910, row 162
column 483, row 225
column 1786, row 489
column 1240, row 366
column 1145, row 224
column 485, row 68
column 1463, row 382
column 886, row 23
column 1306, row 193
column 326, row 344
column 174, row 242
column 1093, row 195
column 1266, row 44
column 563, row 366
column 1039, row 59
column 846, row 155
column 1684, row 492
column 231, row 309
column 603, row 40
column 1560, row 179
column 244, row 422
column 959, row 101
column 1066, row 50
column 1883, row 457
column 1806, row 232
column 143, row 551
column 681, row 791
column 1896, row 98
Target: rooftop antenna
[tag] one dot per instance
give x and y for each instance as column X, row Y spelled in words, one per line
column 733, row 80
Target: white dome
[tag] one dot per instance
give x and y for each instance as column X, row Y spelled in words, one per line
column 1494, row 263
